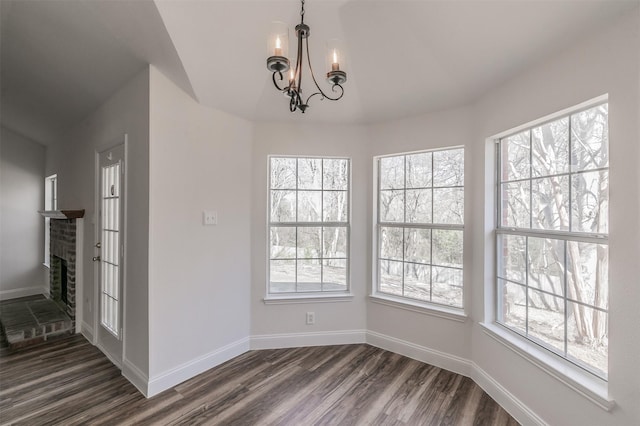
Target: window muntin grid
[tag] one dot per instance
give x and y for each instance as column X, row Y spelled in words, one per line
column 309, row 211
column 110, row 232
column 552, row 236
column 420, row 222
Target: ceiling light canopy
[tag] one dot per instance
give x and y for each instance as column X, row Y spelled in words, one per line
column 278, row 63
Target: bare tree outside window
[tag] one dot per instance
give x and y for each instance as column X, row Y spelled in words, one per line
column 308, row 225
column 420, row 226
column 552, row 236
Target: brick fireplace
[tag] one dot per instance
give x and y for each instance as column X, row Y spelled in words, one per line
column 62, row 272
column 65, row 271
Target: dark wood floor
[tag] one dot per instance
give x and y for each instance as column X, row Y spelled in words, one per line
column 70, row 382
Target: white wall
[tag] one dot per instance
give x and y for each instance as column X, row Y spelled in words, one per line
column 199, row 275
column 72, row 157
column 607, row 63
column 313, row 140
column 21, row 226
column 438, row 130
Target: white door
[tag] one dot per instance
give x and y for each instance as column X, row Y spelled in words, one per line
column 109, row 246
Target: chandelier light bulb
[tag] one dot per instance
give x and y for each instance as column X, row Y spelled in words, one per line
column 278, row 49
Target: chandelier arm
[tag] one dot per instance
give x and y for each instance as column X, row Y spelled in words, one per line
column 313, row 77
column 299, row 60
column 275, row 83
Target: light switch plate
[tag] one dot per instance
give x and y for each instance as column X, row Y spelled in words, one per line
column 209, row 217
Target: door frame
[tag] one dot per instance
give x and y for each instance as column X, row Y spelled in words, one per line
column 124, row 140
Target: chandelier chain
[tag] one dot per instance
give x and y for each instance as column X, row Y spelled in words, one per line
column 302, row 10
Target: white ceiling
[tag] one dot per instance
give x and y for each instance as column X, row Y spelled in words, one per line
column 62, row 58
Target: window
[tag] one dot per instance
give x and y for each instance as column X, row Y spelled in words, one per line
column 420, row 218
column 552, row 247
column 308, row 225
column 50, row 203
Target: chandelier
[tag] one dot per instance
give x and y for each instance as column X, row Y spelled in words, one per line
column 278, row 63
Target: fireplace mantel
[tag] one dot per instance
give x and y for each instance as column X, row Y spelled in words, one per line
column 62, row 214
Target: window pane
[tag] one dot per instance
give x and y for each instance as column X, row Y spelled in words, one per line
column 590, row 138
column 546, row 265
column 418, row 245
column 590, row 202
column 334, row 274
column 512, row 263
column 282, row 276
column 336, row 174
column 447, row 248
column 334, row 206
column 546, row 319
column 392, row 206
column 283, row 173
column 309, row 271
column 550, row 143
column 587, row 336
column 419, row 170
column 447, row 286
column 417, row 281
column 283, row 206
column 513, row 305
column 550, row 203
column 515, row 205
column 390, row 276
column 309, row 173
column 335, row 242
column 588, row 273
column 309, row 240
column 419, row 205
column 514, row 158
column 391, row 243
column 309, row 205
column 392, row 172
column 283, row 242
column 448, row 167
column 448, row 205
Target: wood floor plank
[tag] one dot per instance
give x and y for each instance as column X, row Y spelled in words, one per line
column 72, row 383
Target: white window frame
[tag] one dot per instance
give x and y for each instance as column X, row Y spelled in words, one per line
column 591, row 387
column 456, row 313
column 308, row 296
column 50, row 203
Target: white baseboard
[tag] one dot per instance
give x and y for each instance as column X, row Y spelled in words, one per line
column 297, row 340
column 134, row 375
column 150, row 387
column 86, row 330
column 21, row 292
column 518, row 410
column 421, row 353
column 192, row 368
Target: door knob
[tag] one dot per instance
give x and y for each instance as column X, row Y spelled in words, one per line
column 96, row 258
column 98, row 245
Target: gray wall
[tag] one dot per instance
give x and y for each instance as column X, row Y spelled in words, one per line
column 21, row 226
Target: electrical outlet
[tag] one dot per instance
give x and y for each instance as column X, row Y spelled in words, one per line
column 209, row 217
column 311, row 318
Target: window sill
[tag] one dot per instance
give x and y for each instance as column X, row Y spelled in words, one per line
column 591, row 387
column 287, row 299
column 408, row 305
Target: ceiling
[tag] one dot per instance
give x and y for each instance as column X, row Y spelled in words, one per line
column 62, row 58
